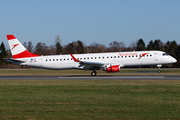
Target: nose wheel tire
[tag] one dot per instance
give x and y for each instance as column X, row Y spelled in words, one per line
column 93, row 73
column 159, row 66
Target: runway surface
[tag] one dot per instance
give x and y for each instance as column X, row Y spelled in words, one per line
column 78, row 77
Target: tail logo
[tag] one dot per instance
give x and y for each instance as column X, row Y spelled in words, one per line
column 14, row 46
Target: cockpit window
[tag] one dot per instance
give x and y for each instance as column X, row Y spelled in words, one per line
column 165, row 54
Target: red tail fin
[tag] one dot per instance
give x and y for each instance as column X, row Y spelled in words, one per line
column 17, row 49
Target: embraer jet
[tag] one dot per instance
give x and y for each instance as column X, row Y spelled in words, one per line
column 110, row 62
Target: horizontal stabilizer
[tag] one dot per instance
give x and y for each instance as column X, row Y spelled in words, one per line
column 13, row 60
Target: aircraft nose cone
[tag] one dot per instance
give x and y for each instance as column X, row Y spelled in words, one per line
column 173, row 60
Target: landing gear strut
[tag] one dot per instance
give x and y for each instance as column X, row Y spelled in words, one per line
column 93, row 73
column 159, row 68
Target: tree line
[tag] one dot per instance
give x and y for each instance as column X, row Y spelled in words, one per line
column 78, row 47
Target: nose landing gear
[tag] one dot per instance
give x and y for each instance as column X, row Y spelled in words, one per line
column 159, row 68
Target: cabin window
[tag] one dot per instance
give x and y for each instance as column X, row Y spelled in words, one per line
column 56, row 59
column 107, row 57
column 60, row 59
column 84, row 58
column 46, row 60
column 99, row 57
column 121, row 56
column 125, row 56
column 87, row 58
column 95, row 57
column 111, row 56
column 81, row 58
column 91, row 57
column 114, row 56
column 129, row 56
column 133, row 56
column 68, row 59
column 49, row 59
column 64, row 59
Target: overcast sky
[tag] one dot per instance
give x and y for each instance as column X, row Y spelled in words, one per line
column 100, row 21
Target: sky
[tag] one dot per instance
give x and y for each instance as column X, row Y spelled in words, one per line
column 99, row 21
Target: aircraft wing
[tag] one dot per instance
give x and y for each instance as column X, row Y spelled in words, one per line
column 90, row 65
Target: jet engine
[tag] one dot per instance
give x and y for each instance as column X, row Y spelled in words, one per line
column 112, row 68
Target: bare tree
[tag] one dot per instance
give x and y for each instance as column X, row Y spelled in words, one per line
column 41, row 49
column 116, row 46
column 132, row 46
column 95, row 48
column 52, row 50
column 30, row 46
column 25, row 44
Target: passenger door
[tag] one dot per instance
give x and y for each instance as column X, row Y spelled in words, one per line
column 156, row 56
column 41, row 61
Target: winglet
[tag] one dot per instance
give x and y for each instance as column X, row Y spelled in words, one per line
column 75, row 60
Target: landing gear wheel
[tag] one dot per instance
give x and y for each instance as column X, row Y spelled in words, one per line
column 93, row 73
column 159, row 66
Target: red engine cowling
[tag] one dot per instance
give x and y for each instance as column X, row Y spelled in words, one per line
column 112, row 68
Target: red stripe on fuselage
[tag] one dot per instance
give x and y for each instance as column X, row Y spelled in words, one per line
column 24, row 54
column 143, row 55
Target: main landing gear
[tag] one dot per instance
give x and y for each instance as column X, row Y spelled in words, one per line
column 159, row 68
column 93, row 73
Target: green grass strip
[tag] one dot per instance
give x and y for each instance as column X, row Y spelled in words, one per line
column 86, row 100
column 123, row 71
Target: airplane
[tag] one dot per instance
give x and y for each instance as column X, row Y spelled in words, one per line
column 110, row 62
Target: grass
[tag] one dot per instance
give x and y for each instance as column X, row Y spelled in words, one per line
column 82, row 72
column 139, row 100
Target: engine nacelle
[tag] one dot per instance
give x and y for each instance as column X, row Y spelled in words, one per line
column 112, row 68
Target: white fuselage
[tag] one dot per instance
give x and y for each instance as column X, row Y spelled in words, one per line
column 110, row 62
column 123, row 59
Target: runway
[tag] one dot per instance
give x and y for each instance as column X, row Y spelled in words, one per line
column 78, row 77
